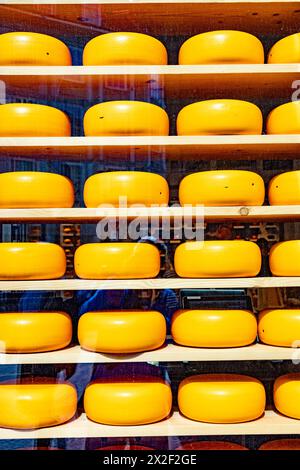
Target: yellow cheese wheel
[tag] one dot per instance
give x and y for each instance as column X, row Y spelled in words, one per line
column 29, row 332
column 211, row 445
column 284, row 189
column 281, row 444
column 121, row 118
column 286, row 51
column 214, row 328
column 222, row 188
column 117, row 261
column 124, row 48
column 219, row 117
column 24, row 48
column 212, row 259
column 36, row 405
column 122, row 331
column 31, row 261
column 222, row 47
column 284, row 119
column 284, row 258
column 221, row 398
column 286, row 394
column 125, row 188
column 279, row 327
column 128, row 402
column 24, row 189
column 33, row 120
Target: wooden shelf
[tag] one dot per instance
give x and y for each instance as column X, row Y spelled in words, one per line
column 271, row 423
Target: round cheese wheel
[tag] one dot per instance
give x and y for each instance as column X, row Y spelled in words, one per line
column 29, row 332
column 119, row 332
column 220, row 117
column 222, row 188
column 284, row 258
column 281, row 444
column 128, row 402
column 279, row 327
column 284, row 119
column 33, row 120
column 221, row 398
column 33, row 189
column 214, row 328
column 31, row 261
column 222, row 47
column 121, row 118
column 212, row 259
column 125, row 188
column 36, row 405
column 286, row 51
column 123, row 48
column 211, row 445
column 286, row 395
column 284, row 189
column 23, row 48
column 117, row 261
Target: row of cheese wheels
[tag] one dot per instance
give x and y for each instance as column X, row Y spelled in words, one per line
column 29, row 189
column 133, row 331
column 211, row 398
column 125, row 48
column 138, row 118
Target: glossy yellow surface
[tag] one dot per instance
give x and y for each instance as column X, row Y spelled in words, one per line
column 286, row 51
column 221, row 398
column 23, row 48
column 117, row 261
column 33, row 120
column 33, row 189
column 286, row 394
column 27, row 332
column 281, row 444
column 124, row 48
column 222, row 47
column 31, row 406
column 284, row 189
column 125, row 118
column 214, row 328
column 222, row 188
column 31, row 261
column 220, row 117
column 284, row 258
column 125, row 188
column 284, row 119
column 279, row 327
column 121, row 331
column 129, row 402
column 212, row 259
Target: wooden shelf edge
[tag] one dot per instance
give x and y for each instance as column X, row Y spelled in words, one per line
column 137, row 2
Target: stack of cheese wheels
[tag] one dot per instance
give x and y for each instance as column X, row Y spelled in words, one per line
column 221, row 398
column 214, row 328
column 126, row 331
column 286, row 394
column 281, row 444
column 222, row 188
column 125, row 188
column 24, row 189
column 119, row 118
column 279, row 327
column 36, row 403
column 24, row 48
column 117, row 261
column 285, row 51
column 31, row 261
column 128, row 401
column 30, row 332
column 222, row 47
column 220, row 117
column 124, row 48
column 284, row 119
column 33, row 120
column 284, row 189
column 284, row 258
column 211, row 445
column 228, row 258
